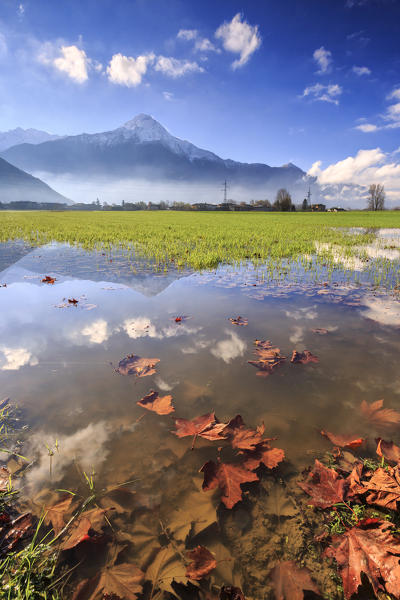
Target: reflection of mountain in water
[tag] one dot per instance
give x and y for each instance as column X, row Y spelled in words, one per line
column 11, row 252
column 118, row 267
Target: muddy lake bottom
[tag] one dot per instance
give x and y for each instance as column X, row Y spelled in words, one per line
column 58, row 363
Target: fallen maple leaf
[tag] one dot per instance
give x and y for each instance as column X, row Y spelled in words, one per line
column 303, row 358
column 228, row 477
column 73, row 301
column 290, row 582
column 48, row 279
column 87, row 527
column 343, row 441
column 388, row 450
column 206, row 426
column 383, row 488
column 55, row 514
column 320, row 330
column 379, row 416
column 238, row 321
column 115, row 582
column 134, row 365
column 325, row 486
column 372, row 551
column 240, row 436
column 263, row 453
column 268, row 358
column 203, row 562
column 162, row 405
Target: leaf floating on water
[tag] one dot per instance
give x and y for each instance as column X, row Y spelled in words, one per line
column 228, row 477
column 134, row 365
column 303, row 357
column 206, row 426
column 162, row 405
column 388, row 450
column 290, row 582
column 73, row 301
column 324, row 485
column 87, row 527
column 343, row 441
column 181, row 318
column 320, row 330
column 48, row 279
column 202, row 563
column 263, row 453
column 373, row 551
column 238, row 321
column 166, row 567
column 55, row 514
column 379, row 416
column 268, row 358
column 383, row 488
column 240, row 436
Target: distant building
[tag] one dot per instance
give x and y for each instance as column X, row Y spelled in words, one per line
column 336, row 209
column 318, row 207
column 203, row 206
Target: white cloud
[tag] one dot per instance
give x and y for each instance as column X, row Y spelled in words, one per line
column 366, row 167
column 323, row 58
column 366, row 127
column 240, row 38
column 187, row 34
column 297, row 335
column 15, row 358
column 200, row 44
column 231, row 348
column 69, row 60
column 394, row 95
column 324, row 93
column 142, row 326
column 127, row 70
column 97, row 332
column 361, row 70
column 168, row 96
column 175, row 67
column 307, row 312
column 385, row 311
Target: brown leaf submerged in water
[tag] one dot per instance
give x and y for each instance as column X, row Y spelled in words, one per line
column 229, row 592
column 324, row 485
column 134, row 365
column 373, row 551
column 229, row 478
column 343, row 441
column 16, row 530
column 268, row 358
column 206, row 426
column 290, row 582
column 202, row 563
column 87, row 527
column 4, row 479
column 123, row 582
column 162, row 405
column 379, row 416
column 303, row 358
column 55, row 514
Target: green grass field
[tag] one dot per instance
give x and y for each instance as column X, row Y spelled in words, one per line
column 200, row 240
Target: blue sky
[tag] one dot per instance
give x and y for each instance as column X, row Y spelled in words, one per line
column 257, row 81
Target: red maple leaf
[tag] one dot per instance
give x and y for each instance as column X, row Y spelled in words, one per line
column 343, row 441
column 325, row 486
column 303, row 357
column 373, row 551
column 206, row 426
column 268, row 358
column 228, row 477
column 388, row 450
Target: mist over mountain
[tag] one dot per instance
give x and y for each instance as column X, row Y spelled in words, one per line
column 141, row 160
column 18, row 186
column 22, row 136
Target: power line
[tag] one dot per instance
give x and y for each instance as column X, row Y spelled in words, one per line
column 225, row 188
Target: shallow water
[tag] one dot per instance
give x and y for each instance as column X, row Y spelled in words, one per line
column 57, row 363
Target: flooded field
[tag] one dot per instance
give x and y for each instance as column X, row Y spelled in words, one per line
column 68, row 361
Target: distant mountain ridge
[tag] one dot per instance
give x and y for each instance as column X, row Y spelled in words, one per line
column 24, row 136
column 18, row 186
column 143, row 148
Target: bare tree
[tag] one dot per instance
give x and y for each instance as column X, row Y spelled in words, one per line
column 376, row 199
column 283, row 200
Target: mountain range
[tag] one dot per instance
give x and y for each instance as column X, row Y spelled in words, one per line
column 24, row 136
column 143, row 150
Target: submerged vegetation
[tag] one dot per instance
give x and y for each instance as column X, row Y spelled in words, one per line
column 206, row 240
